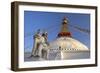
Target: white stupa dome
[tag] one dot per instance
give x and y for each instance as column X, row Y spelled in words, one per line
column 68, row 48
column 68, row 44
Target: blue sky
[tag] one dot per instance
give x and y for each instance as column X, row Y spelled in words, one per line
column 51, row 22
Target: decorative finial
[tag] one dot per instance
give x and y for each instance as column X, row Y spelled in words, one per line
column 64, row 29
column 65, row 20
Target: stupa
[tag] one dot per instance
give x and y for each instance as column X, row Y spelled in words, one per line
column 66, row 47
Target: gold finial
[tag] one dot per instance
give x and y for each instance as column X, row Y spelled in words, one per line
column 64, row 25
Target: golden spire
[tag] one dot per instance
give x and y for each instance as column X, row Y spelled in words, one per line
column 64, row 27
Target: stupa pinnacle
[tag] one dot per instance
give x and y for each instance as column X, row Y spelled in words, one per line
column 64, row 29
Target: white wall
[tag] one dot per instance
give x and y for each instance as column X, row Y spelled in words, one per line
column 5, row 28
